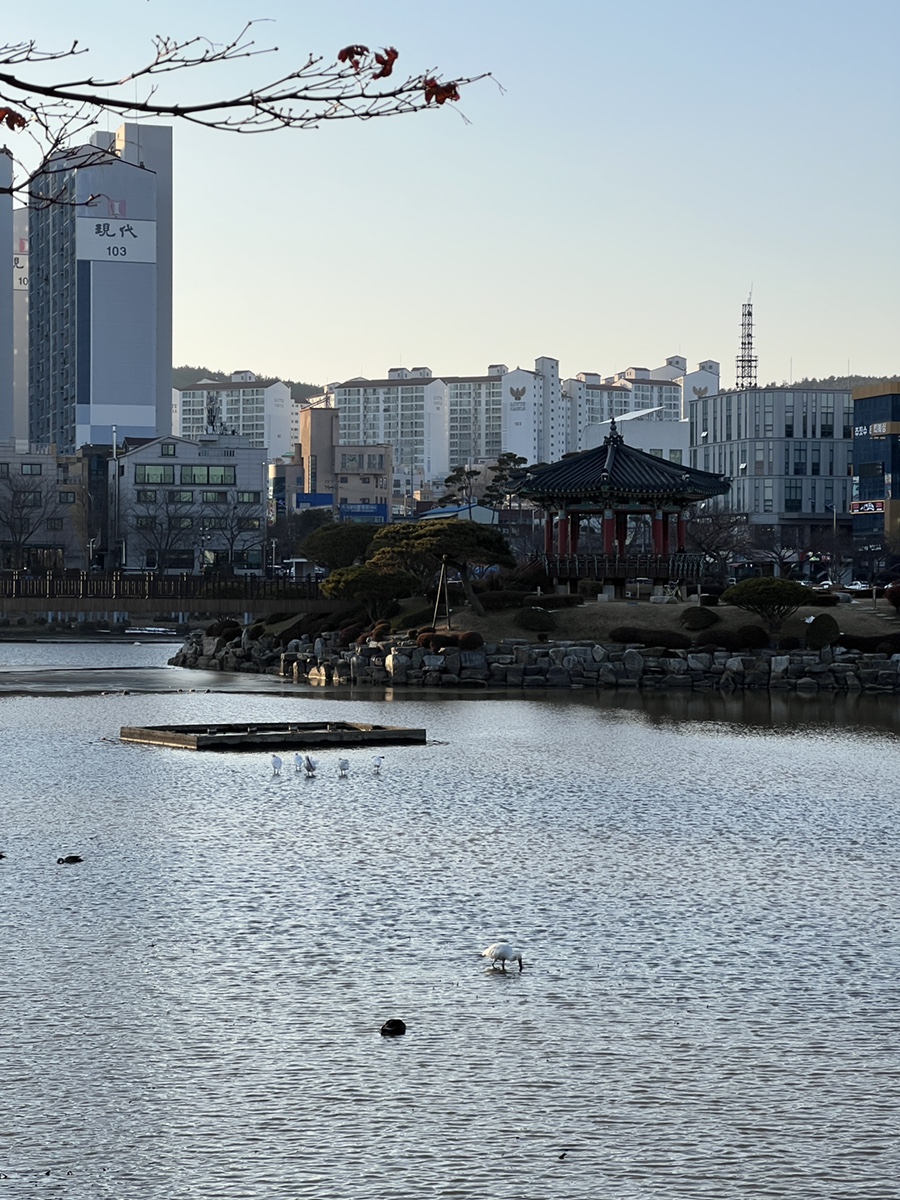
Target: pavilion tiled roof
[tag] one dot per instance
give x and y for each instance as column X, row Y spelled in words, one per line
column 615, row 472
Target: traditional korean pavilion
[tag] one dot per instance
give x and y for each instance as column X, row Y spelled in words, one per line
column 613, row 483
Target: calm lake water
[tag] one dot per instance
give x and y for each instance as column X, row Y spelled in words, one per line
column 709, row 912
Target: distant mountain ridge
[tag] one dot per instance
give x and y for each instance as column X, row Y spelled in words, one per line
column 183, row 377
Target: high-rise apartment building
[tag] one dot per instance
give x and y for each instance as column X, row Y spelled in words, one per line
column 100, row 292
column 6, row 300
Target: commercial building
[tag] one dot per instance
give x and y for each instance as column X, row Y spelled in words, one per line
column 787, row 450
column 875, row 510
column 189, row 504
column 6, row 299
column 243, row 405
column 100, row 291
column 44, row 508
column 324, row 471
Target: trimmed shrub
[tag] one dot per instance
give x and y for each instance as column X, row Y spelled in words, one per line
column 535, row 620
column 348, row 634
column 227, row 629
column 669, row 639
column 491, row 601
column 589, row 587
column 471, row 640
column 696, row 619
column 823, row 631
column 790, row 643
column 747, row 637
column 824, row 600
column 875, row 643
column 774, row 600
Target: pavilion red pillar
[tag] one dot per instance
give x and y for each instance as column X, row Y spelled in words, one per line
column 657, row 530
column 680, row 535
column 562, row 531
column 574, row 532
column 666, row 534
column 548, row 534
column 609, row 531
column 621, row 531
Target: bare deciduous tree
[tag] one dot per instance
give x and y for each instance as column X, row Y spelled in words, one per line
column 27, row 502
column 161, row 528
column 358, row 84
column 717, row 535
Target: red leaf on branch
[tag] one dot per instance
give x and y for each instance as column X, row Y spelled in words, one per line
column 352, row 55
column 439, row 92
column 11, row 119
column 386, row 62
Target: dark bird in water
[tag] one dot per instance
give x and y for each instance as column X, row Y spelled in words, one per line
column 69, row 858
column 393, row 1028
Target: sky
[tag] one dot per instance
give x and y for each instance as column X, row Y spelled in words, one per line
column 626, row 177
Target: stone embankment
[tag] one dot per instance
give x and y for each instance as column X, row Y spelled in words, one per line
column 519, row 664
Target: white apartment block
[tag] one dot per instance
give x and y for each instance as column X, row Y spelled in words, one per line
column 438, row 423
column 242, row 406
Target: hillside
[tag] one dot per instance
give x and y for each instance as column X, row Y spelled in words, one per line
column 183, row 377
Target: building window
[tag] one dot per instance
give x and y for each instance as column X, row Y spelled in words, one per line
column 31, row 468
column 250, row 523
column 793, row 496
column 146, row 522
column 153, row 473
column 343, row 479
column 799, row 458
column 213, row 523
column 67, row 497
column 4, row 470
column 214, row 497
column 167, row 449
column 203, row 474
column 248, row 497
column 182, row 497
column 675, row 456
column 54, row 523
column 182, row 522
column 364, row 479
column 145, row 497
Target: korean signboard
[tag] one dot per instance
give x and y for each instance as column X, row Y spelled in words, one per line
column 115, row 240
column 864, row 508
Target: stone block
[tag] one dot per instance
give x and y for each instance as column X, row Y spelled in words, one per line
column 558, row 677
column 472, row 660
column 633, row 663
column 699, row 662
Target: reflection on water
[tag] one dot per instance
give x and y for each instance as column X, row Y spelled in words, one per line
column 709, row 916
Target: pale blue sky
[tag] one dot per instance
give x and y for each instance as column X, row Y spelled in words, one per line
column 645, row 164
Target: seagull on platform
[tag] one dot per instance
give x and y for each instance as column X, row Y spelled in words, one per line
column 343, row 768
column 309, row 766
column 502, row 953
column 276, row 765
column 376, row 763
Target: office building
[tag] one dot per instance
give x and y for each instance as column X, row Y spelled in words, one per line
column 787, row 450
column 875, row 510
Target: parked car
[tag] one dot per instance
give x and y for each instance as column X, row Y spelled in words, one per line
column 858, row 585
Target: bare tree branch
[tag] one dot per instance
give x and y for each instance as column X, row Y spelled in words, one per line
column 358, row 84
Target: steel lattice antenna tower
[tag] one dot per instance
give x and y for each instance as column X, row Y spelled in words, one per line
column 745, row 363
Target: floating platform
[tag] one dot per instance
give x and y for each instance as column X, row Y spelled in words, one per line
column 281, row 735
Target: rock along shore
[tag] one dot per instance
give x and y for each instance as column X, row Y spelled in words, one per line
column 518, row 664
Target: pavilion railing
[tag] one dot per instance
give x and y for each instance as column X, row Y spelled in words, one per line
column 623, row 566
column 119, row 585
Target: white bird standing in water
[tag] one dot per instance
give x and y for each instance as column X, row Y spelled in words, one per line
column 343, row 767
column 276, row 765
column 376, row 763
column 298, row 761
column 502, row 953
column 309, row 766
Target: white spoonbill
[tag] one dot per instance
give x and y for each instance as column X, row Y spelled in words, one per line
column 376, row 763
column 276, row 765
column 343, row 767
column 502, row 953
